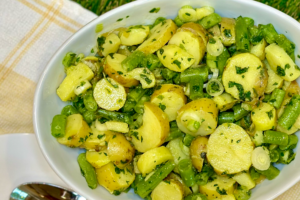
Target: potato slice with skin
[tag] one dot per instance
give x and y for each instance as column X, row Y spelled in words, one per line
column 201, row 111
column 198, row 151
column 172, row 97
column 245, row 77
column 77, row 131
column 197, row 30
column 144, row 75
column 264, row 117
column 228, row 31
column 114, row 70
column 281, row 63
column 175, row 177
column 171, row 190
column 109, row 94
column 97, row 159
column 229, row 149
column 115, row 179
column 259, row 49
column 119, row 150
column 154, row 130
column 219, row 183
column 111, row 44
column 192, row 43
column 150, row 159
column 134, row 35
column 274, row 81
column 175, row 58
column 224, row 101
column 160, row 35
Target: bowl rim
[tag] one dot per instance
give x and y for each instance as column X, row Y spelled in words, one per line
column 93, row 23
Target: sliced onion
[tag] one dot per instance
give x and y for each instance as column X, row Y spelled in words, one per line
column 215, row 46
column 214, row 87
column 260, row 158
column 215, row 72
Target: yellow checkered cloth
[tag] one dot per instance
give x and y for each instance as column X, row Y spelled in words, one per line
column 30, row 33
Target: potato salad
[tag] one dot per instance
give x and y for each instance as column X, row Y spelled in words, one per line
column 200, row 107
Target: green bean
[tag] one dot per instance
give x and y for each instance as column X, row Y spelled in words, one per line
column 115, row 116
column 175, row 132
column 290, row 113
column 267, row 98
column 139, row 108
column 58, row 126
column 195, row 196
column 287, row 156
column 89, row 102
column 232, row 50
column 187, row 140
column 133, row 97
column 277, row 98
column 276, row 137
column 269, row 33
column 88, row 171
column 137, row 121
column 254, row 174
column 187, row 172
column 206, row 172
column 255, row 35
column 186, row 75
column 274, row 155
column 225, row 117
column 242, row 35
column 242, row 193
column 221, row 60
column 239, row 112
column 133, row 60
column 210, row 20
column 69, row 59
column 249, row 21
column 211, row 61
column 293, row 140
column 137, row 180
column 286, row 44
column 178, row 21
column 69, row 110
column 270, row 173
column 196, row 88
column 246, row 121
column 157, row 21
column 151, row 62
column 79, row 105
column 145, row 187
column 168, row 74
column 176, row 79
column 89, row 116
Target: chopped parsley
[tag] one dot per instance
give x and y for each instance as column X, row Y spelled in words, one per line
column 161, row 51
column 240, row 88
column 227, row 33
column 178, row 63
column 119, row 19
column 154, row 10
column 188, row 14
column 221, row 192
column 100, row 42
column 100, row 136
column 280, row 71
column 162, row 107
column 240, row 70
column 270, row 114
column 212, row 41
column 148, row 80
column 119, row 72
column 135, row 134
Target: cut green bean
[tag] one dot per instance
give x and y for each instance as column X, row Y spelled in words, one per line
column 225, row 117
column 246, row 121
column 133, row 60
column 242, row 35
column 176, row 79
column 239, row 112
column 287, row 156
column 79, row 105
column 276, row 137
column 290, row 113
column 88, row 171
column 174, row 132
column 187, row 140
column 286, row 44
column 133, row 97
column 139, row 108
column 89, row 102
column 210, row 20
column 151, row 62
column 58, row 126
column 178, row 21
column 187, row 172
column 186, row 75
column 274, row 155
column 276, row 98
column 269, row 33
column 270, row 173
column 293, row 140
column 69, row 110
column 168, row 74
column 267, row 98
column 145, row 187
column 115, row 116
column 242, row 193
column 195, row 196
column 221, row 61
column 196, row 88
column 255, row 35
column 249, row 21
column 254, row 174
column 69, row 59
column 232, row 50
column 89, row 116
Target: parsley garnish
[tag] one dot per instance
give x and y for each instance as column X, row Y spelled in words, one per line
column 221, row 192
column 162, row 106
column 119, row 19
column 212, row 41
column 176, row 62
column 240, row 70
column 280, row 71
column 148, row 81
column 270, row 114
column 227, row 33
column 154, row 10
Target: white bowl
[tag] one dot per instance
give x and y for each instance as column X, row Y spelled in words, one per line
column 47, row 104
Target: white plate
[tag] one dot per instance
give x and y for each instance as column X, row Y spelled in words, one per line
column 21, row 160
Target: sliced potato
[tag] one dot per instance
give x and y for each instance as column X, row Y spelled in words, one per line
column 154, row 130
column 150, row 159
column 259, row 49
column 134, row 35
column 109, row 94
column 274, row 81
column 121, row 127
column 281, row 63
column 115, row 179
column 76, row 132
column 76, row 74
column 229, row 149
column 119, row 150
column 228, row 31
column 114, row 70
column 175, row 177
column 244, row 179
column 245, row 77
column 159, row 36
column 224, row 101
column 264, row 117
column 144, row 75
column 171, row 190
column 110, row 44
column 197, row 30
column 175, row 58
column 97, row 159
column 198, row 150
column 219, row 183
column 199, row 117
column 170, row 98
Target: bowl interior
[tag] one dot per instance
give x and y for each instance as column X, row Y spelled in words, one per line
column 47, row 103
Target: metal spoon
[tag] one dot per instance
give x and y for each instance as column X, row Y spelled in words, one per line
column 43, row 191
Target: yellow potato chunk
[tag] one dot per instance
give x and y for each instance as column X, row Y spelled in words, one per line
column 220, row 183
column 159, row 36
column 245, row 77
column 199, row 117
column 197, row 30
column 244, row 179
column 97, row 159
column 77, row 131
column 264, row 117
column 229, row 149
column 175, row 58
column 259, row 49
column 111, row 44
column 224, row 101
column 144, row 75
column 228, row 31
column 113, row 178
column 171, row 98
column 171, row 190
column 96, row 140
column 281, row 63
column 119, row 150
column 154, row 130
column 121, row 127
column 198, row 146
column 109, row 94
column 113, row 68
column 274, row 81
column 80, row 72
column 134, row 35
